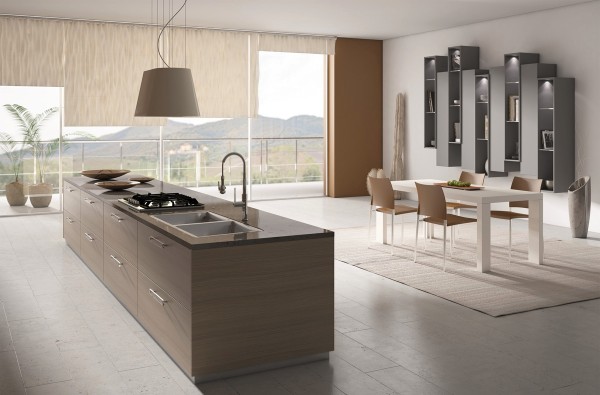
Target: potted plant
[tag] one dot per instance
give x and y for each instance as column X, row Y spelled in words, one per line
column 14, row 190
column 40, row 193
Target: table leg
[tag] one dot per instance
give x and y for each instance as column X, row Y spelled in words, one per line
column 483, row 238
column 536, row 231
column 381, row 225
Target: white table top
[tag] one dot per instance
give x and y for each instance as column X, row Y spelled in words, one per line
column 485, row 195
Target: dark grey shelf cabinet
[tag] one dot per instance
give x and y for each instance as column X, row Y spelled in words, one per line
column 556, row 116
column 460, row 58
column 432, row 66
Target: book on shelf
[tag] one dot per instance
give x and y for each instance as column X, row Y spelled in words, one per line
column 517, row 110
column 486, row 126
column 513, row 105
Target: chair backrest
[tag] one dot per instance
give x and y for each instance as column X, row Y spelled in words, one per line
column 382, row 193
column 525, row 184
column 473, row 178
column 432, row 201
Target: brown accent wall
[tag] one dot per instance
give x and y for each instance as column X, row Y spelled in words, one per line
column 355, row 126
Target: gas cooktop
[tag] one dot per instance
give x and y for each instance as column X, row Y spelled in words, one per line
column 160, row 201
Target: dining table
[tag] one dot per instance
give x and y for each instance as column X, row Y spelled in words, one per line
column 483, row 199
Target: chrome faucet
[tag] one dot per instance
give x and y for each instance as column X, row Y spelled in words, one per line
column 244, row 203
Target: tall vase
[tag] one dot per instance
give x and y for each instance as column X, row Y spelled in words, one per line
column 15, row 194
column 580, row 202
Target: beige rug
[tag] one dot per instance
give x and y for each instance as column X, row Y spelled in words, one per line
column 570, row 273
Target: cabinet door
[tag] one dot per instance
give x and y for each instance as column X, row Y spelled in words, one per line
column 167, row 321
column 442, row 151
column 72, row 231
column 121, row 278
column 120, row 233
column 91, row 213
column 529, row 120
column 71, row 200
column 165, row 262
column 497, row 119
column 92, row 249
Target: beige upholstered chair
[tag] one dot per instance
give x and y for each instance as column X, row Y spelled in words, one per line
column 382, row 197
column 473, row 178
column 432, row 204
column 521, row 184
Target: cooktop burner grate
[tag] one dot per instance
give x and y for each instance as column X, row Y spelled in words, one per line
column 154, row 201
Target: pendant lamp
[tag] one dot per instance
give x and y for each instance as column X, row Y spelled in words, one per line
column 167, row 91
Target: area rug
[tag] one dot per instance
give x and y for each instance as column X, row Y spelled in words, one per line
column 570, row 273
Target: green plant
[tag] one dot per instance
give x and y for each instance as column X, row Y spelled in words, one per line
column 30, row 125
column 14, row 153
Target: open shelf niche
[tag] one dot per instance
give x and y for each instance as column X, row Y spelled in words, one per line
column 432, row 66
column 460, row 58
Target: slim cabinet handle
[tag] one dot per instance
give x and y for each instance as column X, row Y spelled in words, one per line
column 89, row 237
column 116, row 217
column 157, row 242
column 69, row 189
column 89, row 201
column 156, row 297
column 69, row 220
column 119, row 263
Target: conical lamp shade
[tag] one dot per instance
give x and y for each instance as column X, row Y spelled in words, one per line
column 167, row 92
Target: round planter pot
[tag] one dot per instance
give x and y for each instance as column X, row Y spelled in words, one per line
column 40, row 195
column 580, row 200
column 15, row 194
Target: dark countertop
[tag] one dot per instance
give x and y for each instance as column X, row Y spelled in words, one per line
column 274, row 228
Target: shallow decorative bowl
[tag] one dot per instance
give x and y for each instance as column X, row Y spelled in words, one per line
column 141, row 179
column 117, row 185
column 104, row 174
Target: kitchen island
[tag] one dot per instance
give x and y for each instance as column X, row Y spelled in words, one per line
column 219, row 305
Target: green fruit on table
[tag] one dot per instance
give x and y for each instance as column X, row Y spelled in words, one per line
column 456, row 183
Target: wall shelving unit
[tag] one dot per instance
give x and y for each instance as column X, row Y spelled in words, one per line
column 432, row 66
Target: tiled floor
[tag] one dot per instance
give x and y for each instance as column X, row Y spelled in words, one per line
column 62, row 332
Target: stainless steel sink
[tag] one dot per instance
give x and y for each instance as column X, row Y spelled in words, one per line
column 204, row 223
column 216, row 228
column 190, row 218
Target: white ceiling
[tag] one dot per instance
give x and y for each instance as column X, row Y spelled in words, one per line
column 372, row 19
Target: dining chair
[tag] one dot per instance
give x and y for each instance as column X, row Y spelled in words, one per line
column 521, row 184
column 473, row 178
column 382, row 198
column 432, row 205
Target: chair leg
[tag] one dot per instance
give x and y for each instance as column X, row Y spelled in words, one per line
column 392, row 250
column 402, row 230
column 452, row 241
column 509, row 240
column 370, row 218
column 445, row 223
column 416, row 238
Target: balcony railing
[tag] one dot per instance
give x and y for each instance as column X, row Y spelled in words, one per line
column 190, row 162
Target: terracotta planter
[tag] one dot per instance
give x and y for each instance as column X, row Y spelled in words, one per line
column 40, row 195
column 15, row 194
column 580, row 200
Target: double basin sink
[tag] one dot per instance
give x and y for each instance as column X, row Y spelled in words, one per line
column 204, row 223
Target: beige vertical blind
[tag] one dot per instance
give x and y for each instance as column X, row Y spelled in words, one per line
column 104, row 63
column 296, row 43
column 219, row 64
column 31, row 52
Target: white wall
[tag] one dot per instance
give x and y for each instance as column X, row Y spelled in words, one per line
column 568, row 36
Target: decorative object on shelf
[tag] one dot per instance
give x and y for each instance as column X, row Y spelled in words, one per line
column 580, row 201
column 548, row 139
column 15, row 194
column 104, row 174
column 457, row 135
column 456, row 59
column 40, row 193
column 456, row 101
column 486, row 126
column 549, row 184
column 513, row 104
column 517, row 110
column 433, row 143
column 116, row 185
column 431, row 101
column 483, row 98
column 167, row 91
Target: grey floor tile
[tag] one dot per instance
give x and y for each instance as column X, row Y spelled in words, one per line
column 343, row 323
column 404, row 381
column 358, row 355
column 150, row 380
column 40, row 368
column 10, row 376
column 62, row 388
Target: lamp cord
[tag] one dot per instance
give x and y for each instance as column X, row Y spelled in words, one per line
column 161, row 33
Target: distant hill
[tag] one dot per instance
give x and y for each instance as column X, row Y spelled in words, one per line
column 262, row 127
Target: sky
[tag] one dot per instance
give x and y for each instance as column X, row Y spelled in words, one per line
column 290, row 84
